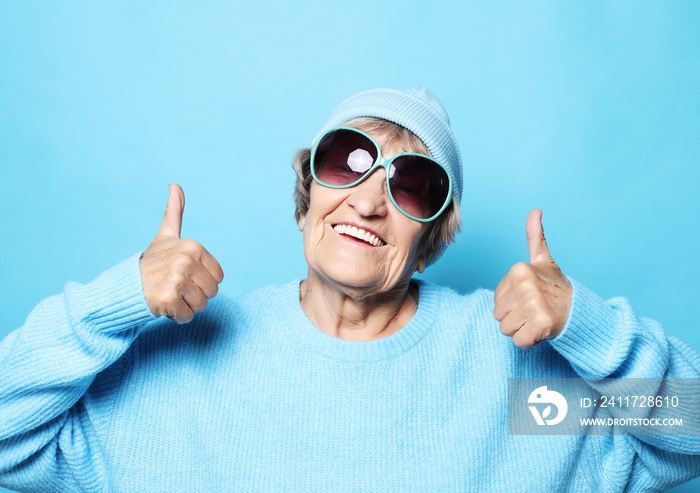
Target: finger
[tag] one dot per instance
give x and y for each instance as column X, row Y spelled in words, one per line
column 517, row 325
column 517, row 274
column 501, row 289
column 194, row 297
column 525, row 338
column 514, row 321
column 536, row 243
column 505, row 304
column 212, row 265
column 527, row 326
column 181, row 313
column 204, row 280
column 172, row 219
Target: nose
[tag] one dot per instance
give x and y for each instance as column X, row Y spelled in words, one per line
column 370, row 197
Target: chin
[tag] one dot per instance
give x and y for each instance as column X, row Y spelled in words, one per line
column 353, row 273
column 359, row 279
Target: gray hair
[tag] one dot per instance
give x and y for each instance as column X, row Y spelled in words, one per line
column 442, row 230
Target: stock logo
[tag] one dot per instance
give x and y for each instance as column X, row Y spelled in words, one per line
column 543, row 396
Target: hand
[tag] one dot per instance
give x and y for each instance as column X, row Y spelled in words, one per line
column 533, row 300
column 178, row 276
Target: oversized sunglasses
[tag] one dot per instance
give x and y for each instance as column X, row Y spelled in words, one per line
column 418, row 185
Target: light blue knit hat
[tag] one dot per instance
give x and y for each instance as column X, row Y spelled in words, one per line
column 416, row 109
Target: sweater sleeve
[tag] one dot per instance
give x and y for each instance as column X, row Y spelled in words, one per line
column 606, row 340
column 48, row 364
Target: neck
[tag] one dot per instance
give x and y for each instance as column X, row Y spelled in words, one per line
column 352, row 314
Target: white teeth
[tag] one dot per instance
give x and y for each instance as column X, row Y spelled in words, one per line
column 358, row 233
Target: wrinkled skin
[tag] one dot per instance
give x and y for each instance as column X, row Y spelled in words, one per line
column 533, row 300
column 357, row 291
column 178, row 275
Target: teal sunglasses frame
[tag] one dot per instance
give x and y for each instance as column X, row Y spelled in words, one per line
column 381, row 163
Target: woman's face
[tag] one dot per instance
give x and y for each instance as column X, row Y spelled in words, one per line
column 376, row 256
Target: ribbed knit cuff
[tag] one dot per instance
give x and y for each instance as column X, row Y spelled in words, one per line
column 114, row 301
column 590, row 333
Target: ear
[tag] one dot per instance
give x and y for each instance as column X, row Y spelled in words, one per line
column 301, row 222
column 421, row 265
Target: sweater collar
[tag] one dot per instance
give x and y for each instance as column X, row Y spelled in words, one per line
column 311, row 337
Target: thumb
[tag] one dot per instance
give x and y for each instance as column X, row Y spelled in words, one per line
column 536, row 243
column 172, row 219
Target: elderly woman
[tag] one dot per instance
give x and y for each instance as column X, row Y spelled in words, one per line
column 358, row 378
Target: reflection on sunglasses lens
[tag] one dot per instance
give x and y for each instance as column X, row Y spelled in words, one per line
column 343, row 157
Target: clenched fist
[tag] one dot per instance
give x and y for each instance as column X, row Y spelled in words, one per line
column 178, row 276
column 533, row 300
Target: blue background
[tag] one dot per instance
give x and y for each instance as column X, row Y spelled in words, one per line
column 588, row 110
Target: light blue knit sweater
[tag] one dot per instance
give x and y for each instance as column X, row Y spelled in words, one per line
column 97, row 395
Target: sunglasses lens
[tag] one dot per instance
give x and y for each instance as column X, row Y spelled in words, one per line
column 419, row 185
column 343, row 157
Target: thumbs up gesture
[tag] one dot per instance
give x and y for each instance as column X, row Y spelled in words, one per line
column 178, row 276
column 533, row 300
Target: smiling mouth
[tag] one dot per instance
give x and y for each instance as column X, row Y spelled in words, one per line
column 359, row 234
